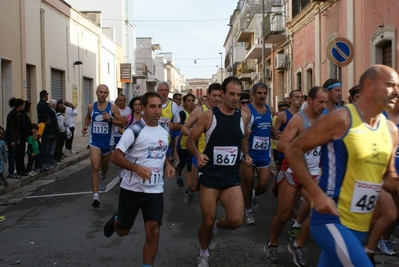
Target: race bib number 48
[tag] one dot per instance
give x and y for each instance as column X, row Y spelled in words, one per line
column 365, row 196
column 100, row 127
column 225, row 155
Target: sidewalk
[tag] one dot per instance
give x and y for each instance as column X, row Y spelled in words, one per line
column 79, row 145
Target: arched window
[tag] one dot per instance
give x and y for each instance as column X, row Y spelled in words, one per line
column 381, row 47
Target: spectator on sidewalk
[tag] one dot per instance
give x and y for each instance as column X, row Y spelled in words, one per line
column 12, row 133
column 70, row 113
column 54, row 134
column 41, row 126
column 44, row 108
column 3, row 157
column 61, row 132
column 33, row 150
column 25, row 129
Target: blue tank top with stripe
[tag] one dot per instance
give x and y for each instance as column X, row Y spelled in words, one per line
column 101, row 133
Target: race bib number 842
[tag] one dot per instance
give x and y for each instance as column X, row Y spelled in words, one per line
column 225, row 155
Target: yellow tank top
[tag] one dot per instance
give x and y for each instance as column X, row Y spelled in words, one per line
column 352, row 170
column 167, row 113
column 184, row 137
column 201, row 140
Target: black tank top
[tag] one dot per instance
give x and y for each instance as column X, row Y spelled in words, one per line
column 223, row 145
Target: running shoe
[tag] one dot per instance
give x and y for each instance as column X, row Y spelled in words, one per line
column 2, row 218
column 179, row 181
column 385, row 247
column 103, row 183
column 203, row 261
column 31, row 173
column 96, row 201
column 293, row 232
column 188, row 197
column 255, row 201
column 249, row 217
column 271, row 253
column 297, row 255
column 109, row 228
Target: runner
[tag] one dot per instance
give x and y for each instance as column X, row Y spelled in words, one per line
column 215, row 95
column 185, row 158
column 260, row 127
column 218, row 164
column 141, row 152
column 288, row 185
column 334, row 88
column 100, row 117
column 361, row 142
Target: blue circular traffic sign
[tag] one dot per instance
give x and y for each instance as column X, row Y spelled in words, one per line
column 340, row 51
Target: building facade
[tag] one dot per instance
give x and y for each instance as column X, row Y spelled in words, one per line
column 50, row 46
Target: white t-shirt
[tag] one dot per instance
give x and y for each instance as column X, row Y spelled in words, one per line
column 149, row 150
column 70, row 115
column 124, row 112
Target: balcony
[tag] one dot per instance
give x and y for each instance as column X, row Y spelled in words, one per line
column 244, row 70
column 141, row 71
column 274, row 28
column 242, row 31
column 238, row 56
column 255, row 52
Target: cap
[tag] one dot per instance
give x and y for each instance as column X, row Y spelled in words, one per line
column 43, row 93
column 283, row 104
column 244, row 96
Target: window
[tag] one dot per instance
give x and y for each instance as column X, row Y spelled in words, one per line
column 381, row 47
column 298, row 5
column 299, row 81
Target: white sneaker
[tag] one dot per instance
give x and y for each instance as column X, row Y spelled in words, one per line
column 249, row 217
column 203, row 261
column 103, row 183
column 31, row 173
column 96, row 201
column 72, row 151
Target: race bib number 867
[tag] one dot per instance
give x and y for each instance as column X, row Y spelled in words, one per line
column 225, row 155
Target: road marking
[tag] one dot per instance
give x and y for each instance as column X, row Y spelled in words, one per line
column 109, row 187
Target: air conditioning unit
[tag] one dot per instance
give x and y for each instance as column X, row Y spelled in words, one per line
column 280, row 61
column 268, row 73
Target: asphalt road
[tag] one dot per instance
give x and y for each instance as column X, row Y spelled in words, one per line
column 51, row 223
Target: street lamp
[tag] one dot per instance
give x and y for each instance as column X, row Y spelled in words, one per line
column 221, row 66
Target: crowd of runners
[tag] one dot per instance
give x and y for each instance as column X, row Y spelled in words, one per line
column 336, row 162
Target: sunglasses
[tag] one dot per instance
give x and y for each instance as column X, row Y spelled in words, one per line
column 244, row 102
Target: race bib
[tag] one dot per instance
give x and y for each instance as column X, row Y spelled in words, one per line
column 156, row 176
column 260, row 143
column 365, row 196
column 314, row 153
column 100, row 127
column 225, row 155
column 397, row 152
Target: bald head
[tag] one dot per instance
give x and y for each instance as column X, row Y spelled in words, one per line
column 373, row 73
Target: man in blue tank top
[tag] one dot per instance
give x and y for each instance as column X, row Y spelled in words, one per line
column 101, row 116
column 260, row 125
column 225, row 128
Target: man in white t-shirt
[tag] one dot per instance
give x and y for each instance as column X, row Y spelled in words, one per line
column 141, row 152
column 120, row 102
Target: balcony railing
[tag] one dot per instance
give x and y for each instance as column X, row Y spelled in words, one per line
column 246, row 66
column 274, row 24
column 141, row 70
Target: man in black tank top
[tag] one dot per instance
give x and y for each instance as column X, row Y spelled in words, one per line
column 225, row 128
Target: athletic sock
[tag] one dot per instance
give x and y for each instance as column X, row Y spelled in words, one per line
column 215, row 227
column 296, row 224
column 368, row 251
column 204, row 253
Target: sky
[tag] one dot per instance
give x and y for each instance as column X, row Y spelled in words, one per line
column 190, row 29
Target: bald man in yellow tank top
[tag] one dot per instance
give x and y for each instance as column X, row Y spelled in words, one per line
column 356, row 159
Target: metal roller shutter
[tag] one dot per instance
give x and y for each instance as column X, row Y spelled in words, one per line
column 28, row 92
column 56, row 84
column 87, row 89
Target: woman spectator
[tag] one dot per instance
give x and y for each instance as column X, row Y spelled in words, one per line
column 62, row 132
column 25, row 129
column 135, row 106
column 70, row 113
column 12, row 133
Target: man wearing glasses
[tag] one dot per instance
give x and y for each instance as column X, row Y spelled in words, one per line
column 260, row 126
column 244, row 100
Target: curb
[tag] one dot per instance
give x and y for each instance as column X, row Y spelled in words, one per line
column 25, row 180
